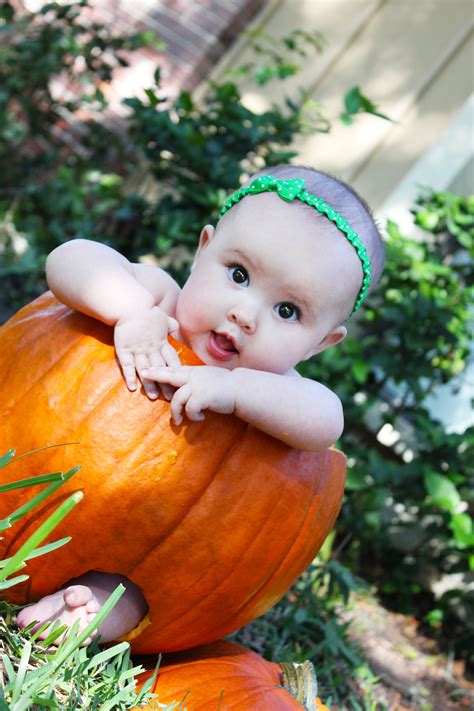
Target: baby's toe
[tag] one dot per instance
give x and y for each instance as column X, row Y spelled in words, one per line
column 92, row 606
column 77, row 595
column 25, row 617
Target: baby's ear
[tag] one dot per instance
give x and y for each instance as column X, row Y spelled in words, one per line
column 335, row 336
column 207, row 234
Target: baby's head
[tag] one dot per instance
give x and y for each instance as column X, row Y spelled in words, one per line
column 272, row 284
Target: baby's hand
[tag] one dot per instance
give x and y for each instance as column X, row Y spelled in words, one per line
column 202, row 387
column 141, row 341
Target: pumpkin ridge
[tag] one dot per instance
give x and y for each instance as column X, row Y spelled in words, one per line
column 257, row 691
column 20, row 318
column 257, row 591
column 171, row 529
column 320, row 512
column 15, row 322
column 304, row 521
column 281, row 564
column 231, row 676
column 43, row 374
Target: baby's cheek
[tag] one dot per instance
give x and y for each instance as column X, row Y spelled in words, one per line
column 191, row 315
column 279, row 356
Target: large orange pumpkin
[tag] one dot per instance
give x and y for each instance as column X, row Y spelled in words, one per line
column 214, row 520
column 221, row 676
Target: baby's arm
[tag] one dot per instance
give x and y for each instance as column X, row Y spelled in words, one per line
column 138, row 299
column 98, row 281
column 300, row 412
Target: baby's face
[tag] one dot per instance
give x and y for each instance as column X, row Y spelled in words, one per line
column 268, row 288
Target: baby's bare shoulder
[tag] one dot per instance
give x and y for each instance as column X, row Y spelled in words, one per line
column 293, row 374
column 154, row 278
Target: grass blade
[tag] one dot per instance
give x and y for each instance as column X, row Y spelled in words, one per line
column 5, row 584
column 120, row 696
column 41, row 533
column 31, row 481
column 56, row 630
column 107, row 654
column 5, row 458
column 40, row 497
column 8, row 667
column 42, row 550
column 20, row 675
column 33, row 451
column 149, row 683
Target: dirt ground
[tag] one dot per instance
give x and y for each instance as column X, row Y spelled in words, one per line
column 412, row 673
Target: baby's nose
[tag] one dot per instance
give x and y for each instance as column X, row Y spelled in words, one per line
column 244, row 318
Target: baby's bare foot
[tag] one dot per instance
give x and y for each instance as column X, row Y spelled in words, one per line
column 76, row 602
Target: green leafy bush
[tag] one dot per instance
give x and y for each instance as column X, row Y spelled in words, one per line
column 408, row 507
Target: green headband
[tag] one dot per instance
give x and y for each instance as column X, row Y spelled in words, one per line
column 292, row 188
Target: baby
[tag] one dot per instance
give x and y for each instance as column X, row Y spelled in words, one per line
column 293, row 254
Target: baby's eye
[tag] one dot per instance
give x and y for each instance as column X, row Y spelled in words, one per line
column 238, row 274
column 287, row 311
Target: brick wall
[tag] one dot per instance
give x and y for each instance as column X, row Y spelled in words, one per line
column 196, row 33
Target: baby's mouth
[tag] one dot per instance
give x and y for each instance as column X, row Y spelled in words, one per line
column 221, row 346
column 225, row 342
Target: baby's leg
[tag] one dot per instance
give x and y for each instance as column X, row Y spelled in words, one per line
column 82, row 599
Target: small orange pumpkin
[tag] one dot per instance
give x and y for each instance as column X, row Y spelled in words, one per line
column 214, row 520
column 223, row 675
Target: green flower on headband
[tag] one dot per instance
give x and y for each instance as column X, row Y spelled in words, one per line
column 287, row 189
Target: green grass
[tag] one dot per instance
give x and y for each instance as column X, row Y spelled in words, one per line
column 35, row 675
column 65, row 675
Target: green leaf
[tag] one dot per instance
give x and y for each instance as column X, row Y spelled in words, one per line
column 442, row 491
column 355, row 103
column 355, row 479
column 427, row 219
column 353, row 100
column 346, row 119
column 154, row 101
column 360, row 370
column 462, row 527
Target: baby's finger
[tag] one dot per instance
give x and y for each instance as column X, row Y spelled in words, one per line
column 156, row 361
column 142, row 363
column 194, row 408
column 127, row 364
column 170, row 356
column 173, row 376
column 173, row 326
column 178, row 401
